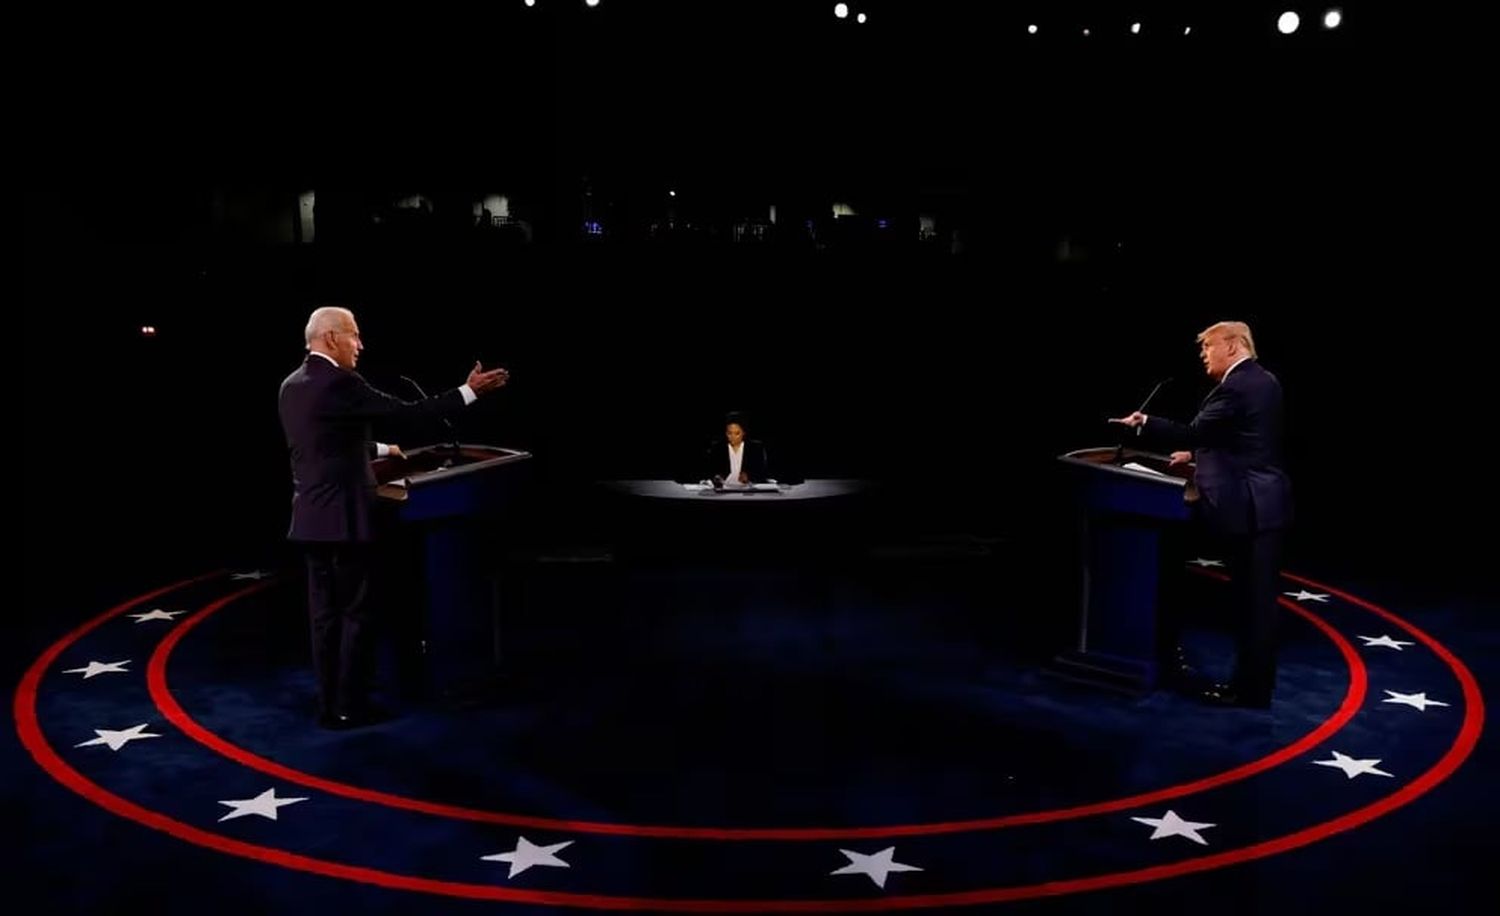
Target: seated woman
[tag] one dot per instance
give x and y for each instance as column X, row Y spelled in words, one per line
column 736, row 461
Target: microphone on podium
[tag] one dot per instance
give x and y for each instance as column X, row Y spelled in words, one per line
column 1142, row 408
column 446, row 422
column 1120, row 449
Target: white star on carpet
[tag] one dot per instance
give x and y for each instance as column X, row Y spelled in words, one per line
column 252, row 574
column 1206, row 563
column 1170, row 824
column 1386, row 642
column 265, row 804
column 1417, row 701
column 157, row 614
column 94, row 668
column 1305, row 595
column 526, row 854
column 118, row 739
column 875, row 867
column 1352, row 767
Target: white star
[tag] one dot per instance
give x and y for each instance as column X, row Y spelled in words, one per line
column 1305, row 595
column 1206, row 563
column 99, row 668
column 252, row 574
column 264, row 804
column 157, row 614
column 118, row 739
column 1352, row 767
column 876, row 867
column 1418, row 701
column 1385, row 641
column 527, row 854
column 1170, row 824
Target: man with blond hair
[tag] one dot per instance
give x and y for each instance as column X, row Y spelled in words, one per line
column 1244, row 496
column 326, row 409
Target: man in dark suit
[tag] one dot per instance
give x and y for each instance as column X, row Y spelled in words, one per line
column 736, row 460
column 1243, row 495
column 326, row 409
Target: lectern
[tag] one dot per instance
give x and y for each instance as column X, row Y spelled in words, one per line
column 454, row 498
column 1125, row 501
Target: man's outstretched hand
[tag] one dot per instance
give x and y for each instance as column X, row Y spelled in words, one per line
column 481, row 380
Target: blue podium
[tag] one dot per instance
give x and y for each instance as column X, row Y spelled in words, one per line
column 452, row 498
column 1125, row 501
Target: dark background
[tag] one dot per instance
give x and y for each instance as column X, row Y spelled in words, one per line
column 1094, row 202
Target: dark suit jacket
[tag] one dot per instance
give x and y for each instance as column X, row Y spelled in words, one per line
column 326, row 413
column 1236, row 443
column 753, row 462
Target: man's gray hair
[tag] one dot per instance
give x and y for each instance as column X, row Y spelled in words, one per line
column 322, row 320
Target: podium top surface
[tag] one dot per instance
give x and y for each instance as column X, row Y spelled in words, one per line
column 434, row 463
column 1130, row 464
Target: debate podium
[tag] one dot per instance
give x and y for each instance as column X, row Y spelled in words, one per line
column 450, row 500
column 1125, row 501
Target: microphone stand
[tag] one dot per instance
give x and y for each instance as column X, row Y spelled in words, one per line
column 452, row 446
column 1120, row 450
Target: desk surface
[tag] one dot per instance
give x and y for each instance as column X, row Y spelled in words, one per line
column 819, row 488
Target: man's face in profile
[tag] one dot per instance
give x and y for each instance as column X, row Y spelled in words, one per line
column 1217, row 352
column 346, row 344
column 735, row 433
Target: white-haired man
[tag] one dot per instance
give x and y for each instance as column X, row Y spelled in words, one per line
column 326, row 409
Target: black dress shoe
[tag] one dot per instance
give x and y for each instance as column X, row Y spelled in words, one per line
column 367, row 714
column 1229, row 695
column 333, row 721
column 1179, row 674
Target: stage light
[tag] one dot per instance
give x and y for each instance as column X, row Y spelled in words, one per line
column 1333, row 19
column 1031, row 30
column 1135, row 28
column 1288, row 22
column 861, row 18
column 841, row 10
